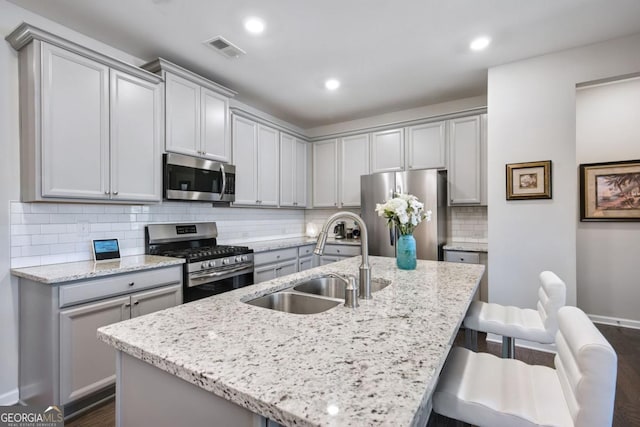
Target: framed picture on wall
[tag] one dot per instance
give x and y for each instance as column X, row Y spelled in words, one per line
column 610, row 191
column 530, row 180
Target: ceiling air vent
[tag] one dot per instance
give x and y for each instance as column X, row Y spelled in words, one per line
column 225, row 47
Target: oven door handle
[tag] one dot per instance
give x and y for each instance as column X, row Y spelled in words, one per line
column 224, row 181
column 220, row 273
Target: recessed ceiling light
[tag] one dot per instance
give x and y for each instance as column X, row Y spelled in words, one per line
column 254, row 25
column 480, row 43
column 332, row 84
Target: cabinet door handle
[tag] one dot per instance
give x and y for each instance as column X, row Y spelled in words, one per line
column 132, row 283
column 127, row 305
column 136, row 303
column 115, row 193
column 107, row 192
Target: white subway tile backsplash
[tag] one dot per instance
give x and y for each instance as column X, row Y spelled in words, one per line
column 44, row 239
column 95, row 228
column 53, row 228
column 468, row 224
column 28, row 251
column 20, row 240
column 21, row 229
column 35, row 218
column 62, row 232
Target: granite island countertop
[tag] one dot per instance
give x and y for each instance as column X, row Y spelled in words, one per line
column 69, row 271
column 374, row 365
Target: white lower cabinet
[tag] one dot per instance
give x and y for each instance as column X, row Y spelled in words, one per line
column 62, row 362
column 466, row 257
column 273, row 271
column 305, row 263
column 86, row 364
column 335, row 253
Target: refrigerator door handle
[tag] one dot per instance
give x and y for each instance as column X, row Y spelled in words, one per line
column 391, row 240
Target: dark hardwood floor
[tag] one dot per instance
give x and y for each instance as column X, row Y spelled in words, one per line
column 625, row 341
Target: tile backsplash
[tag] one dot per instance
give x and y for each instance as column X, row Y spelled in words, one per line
column 49, row 233
column 468, row 224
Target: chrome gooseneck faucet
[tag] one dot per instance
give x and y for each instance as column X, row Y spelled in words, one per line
column 365, row 272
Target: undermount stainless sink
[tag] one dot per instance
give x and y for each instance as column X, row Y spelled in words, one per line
column 333, row 287
column 290, row 302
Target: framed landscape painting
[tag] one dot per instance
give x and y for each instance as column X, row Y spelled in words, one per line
column 610, row 191
column 531, row 180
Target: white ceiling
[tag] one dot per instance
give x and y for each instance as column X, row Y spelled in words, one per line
column 389, row 55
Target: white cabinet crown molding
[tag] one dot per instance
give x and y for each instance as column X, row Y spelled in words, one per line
column 26, row 33
column 162, row 64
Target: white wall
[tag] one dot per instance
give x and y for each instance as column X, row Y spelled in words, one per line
column 607, row 118
column 532, row 116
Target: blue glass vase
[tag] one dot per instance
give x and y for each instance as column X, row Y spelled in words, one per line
column 406, row 257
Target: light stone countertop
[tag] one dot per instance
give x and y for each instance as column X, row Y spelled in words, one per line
column 70, row 271
column 466, row 247
column 374, row 365
column 270, row 245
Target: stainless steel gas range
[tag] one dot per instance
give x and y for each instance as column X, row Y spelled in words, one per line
column 210, row 268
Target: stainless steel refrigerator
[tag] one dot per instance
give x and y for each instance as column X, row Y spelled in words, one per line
column 429, row 186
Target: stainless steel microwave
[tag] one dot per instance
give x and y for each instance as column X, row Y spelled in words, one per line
column 193, row 178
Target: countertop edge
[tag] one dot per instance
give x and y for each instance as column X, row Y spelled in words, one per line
column 24, row 274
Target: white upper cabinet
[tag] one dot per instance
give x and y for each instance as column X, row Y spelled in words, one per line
column 301, row 174
column 268, row 166
column 293, row 171
column 90, row 124
column 216, row 137
column 75, row 125
column 197, row 113
column 245, row 148
column 182, row 116
column 354, row 162
column 426, row 146
column 387, row 151
column 465, row 160
column 256, row 151
column 136, row 127
column 325, row 173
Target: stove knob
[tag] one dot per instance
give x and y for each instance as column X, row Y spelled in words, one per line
column 203, row 265
column 245, row 258
column 238, row 258
column 225, row 261
column 212, row 264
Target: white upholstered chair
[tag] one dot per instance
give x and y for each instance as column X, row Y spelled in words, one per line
column 485, row 390
column 513, row 322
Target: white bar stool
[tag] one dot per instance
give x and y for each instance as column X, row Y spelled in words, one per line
column 485, row 390
column 513, row 322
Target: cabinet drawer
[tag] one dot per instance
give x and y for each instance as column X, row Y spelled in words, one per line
column 95, row 289
column 275, row 256
column 306, row 250
column 465, row 257
column 342, row 250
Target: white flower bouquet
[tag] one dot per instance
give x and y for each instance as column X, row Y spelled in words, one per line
column 404, row 211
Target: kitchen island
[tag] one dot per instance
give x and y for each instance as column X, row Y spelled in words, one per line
column 220, row 361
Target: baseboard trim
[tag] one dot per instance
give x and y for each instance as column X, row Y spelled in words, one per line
column 547, row 348
column 615, row 321
column 10, row 398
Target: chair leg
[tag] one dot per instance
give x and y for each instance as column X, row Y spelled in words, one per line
column 471, row 339
column 508, row 348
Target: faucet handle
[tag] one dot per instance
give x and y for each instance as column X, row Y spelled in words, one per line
column 351, row 292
